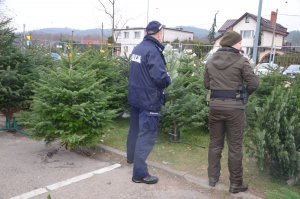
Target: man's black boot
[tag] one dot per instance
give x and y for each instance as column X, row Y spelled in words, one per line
column 213, row 181
column 147, row 180
column 238, row 188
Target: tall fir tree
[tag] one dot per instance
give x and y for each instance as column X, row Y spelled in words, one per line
column 212, row 31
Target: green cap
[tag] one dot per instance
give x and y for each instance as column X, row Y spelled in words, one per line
column 230, row 38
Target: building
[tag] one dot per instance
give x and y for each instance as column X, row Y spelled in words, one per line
column 246, row 26
column 128, row 38
column 90, row 41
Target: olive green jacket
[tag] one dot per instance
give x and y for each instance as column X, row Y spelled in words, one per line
column 227, row 70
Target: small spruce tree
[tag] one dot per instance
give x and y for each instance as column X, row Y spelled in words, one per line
column 70, row 105
column 114, row 72
column 15, row 73
column 185, row 106
column 275, row 137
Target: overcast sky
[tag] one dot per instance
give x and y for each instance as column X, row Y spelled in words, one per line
column 88, row 14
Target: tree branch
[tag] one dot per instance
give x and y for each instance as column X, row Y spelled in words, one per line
column 105, row 9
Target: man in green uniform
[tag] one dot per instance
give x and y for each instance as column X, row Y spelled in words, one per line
column 230, row 78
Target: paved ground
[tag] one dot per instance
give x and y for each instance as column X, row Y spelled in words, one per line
column 27, row 172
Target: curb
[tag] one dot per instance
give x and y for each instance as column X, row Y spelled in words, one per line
column 183, row 175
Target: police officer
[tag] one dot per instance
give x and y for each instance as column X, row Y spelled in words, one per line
column 226, row 74
column 148, row 78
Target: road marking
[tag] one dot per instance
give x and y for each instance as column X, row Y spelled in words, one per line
column 81, row 177
column 69, row 181
column 105, row 169
column 31, row 194
column 58, row 185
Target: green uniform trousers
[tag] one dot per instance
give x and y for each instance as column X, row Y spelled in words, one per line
column 229, row 122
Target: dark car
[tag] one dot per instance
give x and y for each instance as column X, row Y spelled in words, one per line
column 292, row 70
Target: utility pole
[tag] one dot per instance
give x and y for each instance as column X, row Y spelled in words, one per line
column 71, row 50
column 147, row 11
column 257, row 31
column 101, row 35
column 24, row 38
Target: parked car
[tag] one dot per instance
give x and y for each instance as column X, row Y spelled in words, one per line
column 265, row 68
column 55, row 56
column 209, row 55
column 292, row 70
column 212, row 51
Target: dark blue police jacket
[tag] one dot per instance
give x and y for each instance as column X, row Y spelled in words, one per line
column 148, row 75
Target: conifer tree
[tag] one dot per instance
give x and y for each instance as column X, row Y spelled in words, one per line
column 185, row 106
column 275, row 138
column 115, row 71
column 71, row 105
column 212, row 30
column 15, row 73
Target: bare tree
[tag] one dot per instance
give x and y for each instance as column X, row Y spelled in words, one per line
column 110, row 12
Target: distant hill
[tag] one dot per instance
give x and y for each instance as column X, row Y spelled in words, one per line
column 68, row 31
column 199, row 33
column 294, row 38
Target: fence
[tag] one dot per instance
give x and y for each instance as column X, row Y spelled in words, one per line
column 282, row 55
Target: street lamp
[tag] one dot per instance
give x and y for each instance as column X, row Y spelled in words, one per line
column 257, row 32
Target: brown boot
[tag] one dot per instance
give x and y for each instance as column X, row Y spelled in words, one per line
column 238, row 188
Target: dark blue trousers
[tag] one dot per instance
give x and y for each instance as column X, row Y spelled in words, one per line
column 141, row 139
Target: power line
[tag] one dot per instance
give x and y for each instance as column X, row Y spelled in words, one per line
column 290, row 15
column 284, row 15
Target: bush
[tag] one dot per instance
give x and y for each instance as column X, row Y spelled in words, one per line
column 275, row 136
column 258, row 99
column 283, row 193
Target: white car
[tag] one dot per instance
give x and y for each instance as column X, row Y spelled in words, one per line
column 265, row 68
column 55, row 56
column 292, row 70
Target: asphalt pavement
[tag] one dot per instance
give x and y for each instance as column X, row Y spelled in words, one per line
column 27, row 172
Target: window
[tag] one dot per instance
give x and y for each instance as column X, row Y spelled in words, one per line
column 247, row 34
column 118, row 34
column 247, row 19
column 125, row 48
column 126, row 35
column 137, row 34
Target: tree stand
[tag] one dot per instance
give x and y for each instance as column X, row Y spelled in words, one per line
column 174, row 136
column 12, row 126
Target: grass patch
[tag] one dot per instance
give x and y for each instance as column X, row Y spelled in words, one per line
column 190, row 156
